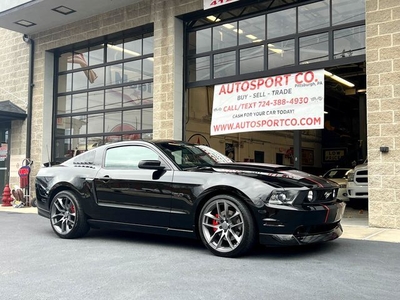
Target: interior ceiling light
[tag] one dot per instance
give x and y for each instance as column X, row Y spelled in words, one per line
column 213, row 19
column 276, row 50
column 338, row 79
column 63, row 10
column 229, row 26
column 25, row 23
column 238, row 30
column 251, row 37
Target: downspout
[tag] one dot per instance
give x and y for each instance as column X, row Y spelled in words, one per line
column 31, row 43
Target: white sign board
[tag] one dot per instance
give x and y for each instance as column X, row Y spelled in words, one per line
column 284, row 102
column 214, row 3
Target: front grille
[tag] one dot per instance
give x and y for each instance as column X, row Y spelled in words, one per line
column 361, row 176
column 316, row 229
column 321, row 195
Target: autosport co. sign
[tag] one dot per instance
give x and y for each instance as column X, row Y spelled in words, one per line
column 214, row 3
column 285, row 102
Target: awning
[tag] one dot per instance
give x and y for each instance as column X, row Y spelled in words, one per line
column 9, row 111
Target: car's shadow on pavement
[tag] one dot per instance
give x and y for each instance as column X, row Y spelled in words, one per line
column 259, row 251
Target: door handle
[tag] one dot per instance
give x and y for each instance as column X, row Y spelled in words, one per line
column 105, row 179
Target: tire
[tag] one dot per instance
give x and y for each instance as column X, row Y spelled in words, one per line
column 67, row 217
column 226, row 226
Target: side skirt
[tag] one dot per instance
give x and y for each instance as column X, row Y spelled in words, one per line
column 142, row 228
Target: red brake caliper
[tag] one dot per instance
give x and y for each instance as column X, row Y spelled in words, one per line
column 215, row 222
column 72, row 208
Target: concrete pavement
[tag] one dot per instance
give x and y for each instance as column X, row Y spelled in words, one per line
column 355, row 225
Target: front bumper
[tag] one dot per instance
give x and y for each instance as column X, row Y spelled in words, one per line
column 301, row 226
column 300, row 239
column 356, row 191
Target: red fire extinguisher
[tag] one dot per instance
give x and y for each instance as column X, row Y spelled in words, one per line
column 23, row 173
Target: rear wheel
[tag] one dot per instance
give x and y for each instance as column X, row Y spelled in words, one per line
column 67, row 217
column 226, row 226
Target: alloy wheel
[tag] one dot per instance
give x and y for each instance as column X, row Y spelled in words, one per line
column 223, row 225
column 63, row 215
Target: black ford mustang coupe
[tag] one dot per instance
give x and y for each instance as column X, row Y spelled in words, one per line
column 181, row 189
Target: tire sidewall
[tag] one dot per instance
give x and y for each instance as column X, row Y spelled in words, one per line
column 249, row 229
column 80, row 226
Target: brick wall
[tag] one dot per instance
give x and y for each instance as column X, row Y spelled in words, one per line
column 383, row 111
column 14, row 66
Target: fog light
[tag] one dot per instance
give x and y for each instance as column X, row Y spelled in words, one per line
column 310, row 196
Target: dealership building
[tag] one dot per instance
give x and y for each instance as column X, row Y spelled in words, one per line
column 79, row 74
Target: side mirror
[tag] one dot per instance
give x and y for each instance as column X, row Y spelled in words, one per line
column 151, row 165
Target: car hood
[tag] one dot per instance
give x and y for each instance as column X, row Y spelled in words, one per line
column 278, row 175
column 339, row 180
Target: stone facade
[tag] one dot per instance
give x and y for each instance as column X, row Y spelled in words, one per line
column 383, row 111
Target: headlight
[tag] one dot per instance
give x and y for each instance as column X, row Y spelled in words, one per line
column 311, row 196
column 282, row 196
column 350, row 176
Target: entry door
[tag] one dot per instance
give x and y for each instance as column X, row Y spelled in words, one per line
column 4, row 157
column 135, row 196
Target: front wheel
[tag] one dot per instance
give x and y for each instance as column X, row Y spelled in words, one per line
column 226, row 226
column 67, row 217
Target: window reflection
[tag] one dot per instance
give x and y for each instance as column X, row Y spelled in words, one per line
column 63, row 64
column 314, row 48
column 225, row 36
column 314, row 16
column 81, row 88
column 64, row 104
column 147, row 119
column 113, row 98
column 251, row 30
column 114, row 74
column 252, row 59
column 225, row 64
column 96, row 77
column 200, row 41
column 64, row 125
column 79, row 124
column 112, row 121
column 281, row 54
column 65, row 83
column 148, row 68
column 96, row 55
column 79, row 102
column 148, row 44
column 132, row 47
column 147, row 93
column 133, row 118
column 96, row 100
column 115, row 51
column 95, row 123
column 132, row 71
column 199, row 68
column 349, row 42
column 281, row 23
column 346, row 11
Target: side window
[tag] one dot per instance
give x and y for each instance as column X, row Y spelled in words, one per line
column 128, row 157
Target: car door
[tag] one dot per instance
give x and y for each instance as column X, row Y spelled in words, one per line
column 125, row 193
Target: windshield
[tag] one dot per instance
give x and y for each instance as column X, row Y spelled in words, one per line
column 336, row 173
column 190, row 156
